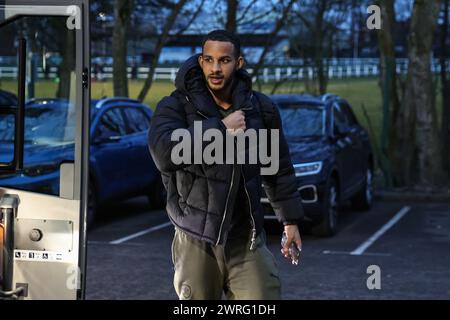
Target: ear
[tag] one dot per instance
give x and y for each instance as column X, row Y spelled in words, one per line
column 200, row 60
column 240, row 62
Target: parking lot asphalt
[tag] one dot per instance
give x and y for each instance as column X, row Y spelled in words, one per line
column 394, row 251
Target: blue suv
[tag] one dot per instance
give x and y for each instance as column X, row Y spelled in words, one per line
column 120, row 163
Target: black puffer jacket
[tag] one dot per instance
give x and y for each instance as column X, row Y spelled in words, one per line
column 199, row 195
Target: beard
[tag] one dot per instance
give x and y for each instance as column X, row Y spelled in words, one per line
column 219, row 82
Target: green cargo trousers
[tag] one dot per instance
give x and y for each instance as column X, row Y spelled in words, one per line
column 206, row 271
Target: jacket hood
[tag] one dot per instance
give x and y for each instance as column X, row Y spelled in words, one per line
column 191, row 82
column 189, row 70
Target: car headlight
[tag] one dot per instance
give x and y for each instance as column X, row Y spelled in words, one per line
column 306, row 169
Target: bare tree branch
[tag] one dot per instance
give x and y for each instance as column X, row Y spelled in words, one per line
column 161, row 41
column 272, row 35
column 278, row 84
column 193, row 17
column 163, row 4
column 245, row 11
column 305, row 21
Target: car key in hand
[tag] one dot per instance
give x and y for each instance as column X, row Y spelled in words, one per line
column 294, row 252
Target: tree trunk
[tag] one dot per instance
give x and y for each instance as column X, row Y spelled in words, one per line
column 393, row 158
column 318, row 48
column 160, row 44
column 67, row 50
column 419, row 99
column 232, row 6
column 122, row 14
column 445, row 91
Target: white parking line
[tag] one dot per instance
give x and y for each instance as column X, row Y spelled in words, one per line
column 365, row 254
column 141, row 233
column 107, row 243
column 363, row 247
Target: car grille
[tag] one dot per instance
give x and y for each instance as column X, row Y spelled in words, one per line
column 308, row 194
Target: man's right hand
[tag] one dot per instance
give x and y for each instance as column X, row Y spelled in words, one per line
column 235, row 120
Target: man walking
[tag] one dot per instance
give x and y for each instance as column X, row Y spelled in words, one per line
column 219, row 242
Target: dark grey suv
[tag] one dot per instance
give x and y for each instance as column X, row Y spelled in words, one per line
column 332, row 157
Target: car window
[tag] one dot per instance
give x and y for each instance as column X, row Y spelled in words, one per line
column 137, row 120
column 340, row 120
column 50, row 106
column 50, row 125
column 348, row 113
column 302, row 120
column 111, row 124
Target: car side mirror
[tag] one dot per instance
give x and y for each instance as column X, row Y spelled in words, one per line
column 332, row 138
column 340, row 130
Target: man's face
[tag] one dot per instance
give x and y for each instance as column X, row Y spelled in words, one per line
column 219, row 63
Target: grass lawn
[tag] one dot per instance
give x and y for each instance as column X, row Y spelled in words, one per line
column 356, row 91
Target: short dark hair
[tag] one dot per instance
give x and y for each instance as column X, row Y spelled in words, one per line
column 225, row 36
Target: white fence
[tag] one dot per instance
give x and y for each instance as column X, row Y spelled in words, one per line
column 336, row 69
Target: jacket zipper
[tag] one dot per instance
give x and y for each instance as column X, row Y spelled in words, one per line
column 226, row 207
column 198, row 111
column 253, row 239
column 228, row 195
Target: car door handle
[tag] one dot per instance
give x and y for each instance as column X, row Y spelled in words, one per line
column 115, row 138
column 341, row 144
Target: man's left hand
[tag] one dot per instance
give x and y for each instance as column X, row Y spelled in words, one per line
column 293, row 235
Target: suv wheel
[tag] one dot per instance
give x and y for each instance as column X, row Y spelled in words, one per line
column 328, row 226
column 363, row 199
